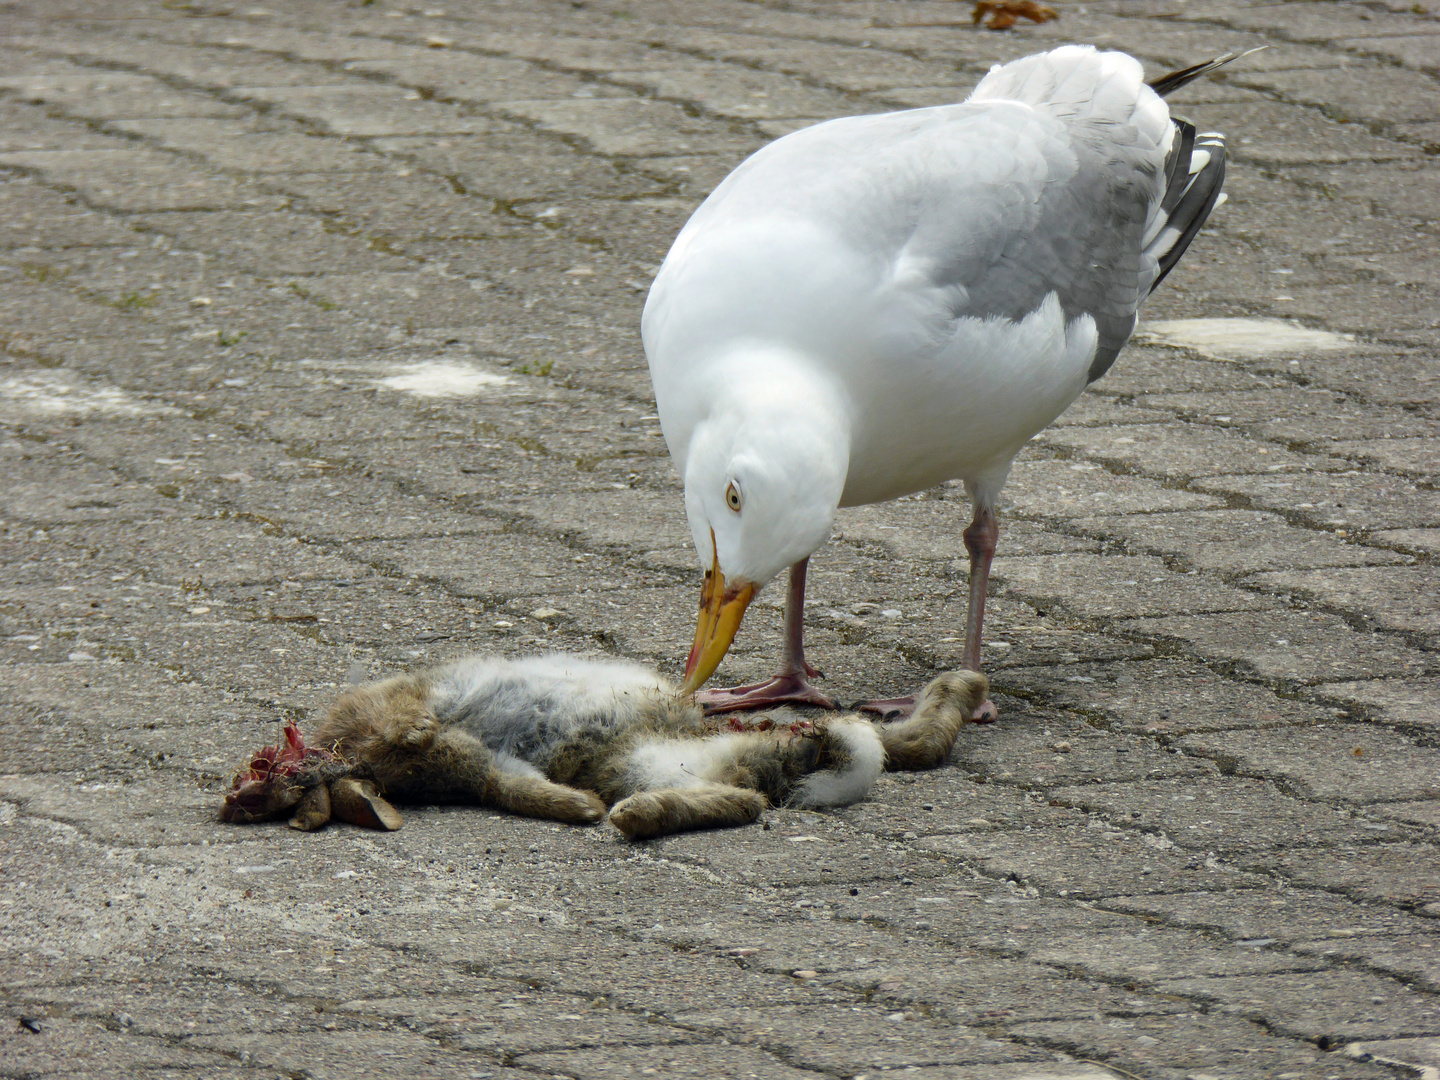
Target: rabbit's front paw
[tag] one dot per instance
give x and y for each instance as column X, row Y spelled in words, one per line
column 413, row 733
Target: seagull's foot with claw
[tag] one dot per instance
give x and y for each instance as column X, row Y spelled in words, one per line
column 900, row 708
column 895, row 708
column 788, row 688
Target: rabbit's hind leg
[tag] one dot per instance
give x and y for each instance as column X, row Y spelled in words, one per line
column 457, row 767
column 925, row 739
column 670, row 810
column 526, row 792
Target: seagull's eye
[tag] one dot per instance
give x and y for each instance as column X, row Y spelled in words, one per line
column 732, row 497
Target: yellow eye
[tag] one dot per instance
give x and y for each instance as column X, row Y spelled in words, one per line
column 732, row 497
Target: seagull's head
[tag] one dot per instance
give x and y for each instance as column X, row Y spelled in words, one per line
column 761, row 489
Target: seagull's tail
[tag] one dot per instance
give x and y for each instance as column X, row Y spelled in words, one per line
column 1195, row 173
column 1164, row 85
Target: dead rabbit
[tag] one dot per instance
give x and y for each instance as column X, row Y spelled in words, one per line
column 565, row 738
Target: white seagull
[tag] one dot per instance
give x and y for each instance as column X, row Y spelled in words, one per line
column 873, row 305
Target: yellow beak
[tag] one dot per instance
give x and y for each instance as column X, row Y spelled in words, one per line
column 720, row 613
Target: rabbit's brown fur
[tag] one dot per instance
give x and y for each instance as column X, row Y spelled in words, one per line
column 535, row 738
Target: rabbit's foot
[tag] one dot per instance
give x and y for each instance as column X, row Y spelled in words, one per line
column 925, row 738
column 671, row 810
column 313, row 810
column 534, row 796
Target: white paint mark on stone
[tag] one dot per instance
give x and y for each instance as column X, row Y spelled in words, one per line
column 1241, row 339
column 441, row 378
column 56, row 394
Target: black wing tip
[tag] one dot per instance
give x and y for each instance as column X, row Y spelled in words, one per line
column 1194, row 196
column 1167, row 84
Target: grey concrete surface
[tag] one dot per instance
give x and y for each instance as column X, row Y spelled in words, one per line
column 321, row 359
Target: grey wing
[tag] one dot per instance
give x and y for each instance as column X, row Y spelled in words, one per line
column 1094, row 221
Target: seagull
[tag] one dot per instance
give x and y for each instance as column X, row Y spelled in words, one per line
column 877, row 304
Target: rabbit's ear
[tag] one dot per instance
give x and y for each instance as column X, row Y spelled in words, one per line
column 359, row 802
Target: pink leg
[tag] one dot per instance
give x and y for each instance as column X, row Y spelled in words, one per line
column 791, row 684
column 980, row 540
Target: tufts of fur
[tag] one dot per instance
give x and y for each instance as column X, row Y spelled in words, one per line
column 564, row 738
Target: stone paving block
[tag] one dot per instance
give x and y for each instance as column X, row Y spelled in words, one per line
column 1402, row 268
column 1416, row 1054
column 1409, row 703
column 1089, row 863
column 38, row 218
column 1425, row 135
column 727, row 1062
column 1401, row 873
column 1222, row 814
column 1295, row 414
column 1227, row 1048
column 1305, row 25
column 929, row 529
column 1394, row 597
column 740, row 94
column 1036, row 753
column 227, row 144
column 471, row 77
column 1425, row 812
column 1175, row 451
column 995, row 993
column 1151, row 369
column 660, row 980
column 1362, row 308
column 1402, row 189
column 270, row 244
column 84, row 1046
column 1147, row 956
column 107, row 95
column 1413, row 960
column 1413, row 383
column 892, row 1040
column 1289, row 135
column 1357, row 1005
column 1416, row 455
column 1233, row 541
column 857, row 70
column 1416, row 540
column 1129, row 586
column 1288, row 645
column 1389, row 94
column 539, row 168
column 951, row 803
column 497, row 1023
column 626, row 127
column 1161, row 696
column 1361, row 501
column 362, row 111
column 331, row 1054
column 426, row 207
column 1284, row 916
column 1413, row 51
column 1070, row 488
column 134, row 180
column 830, row 850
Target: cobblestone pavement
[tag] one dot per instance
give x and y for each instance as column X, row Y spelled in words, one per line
column 322, row 359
